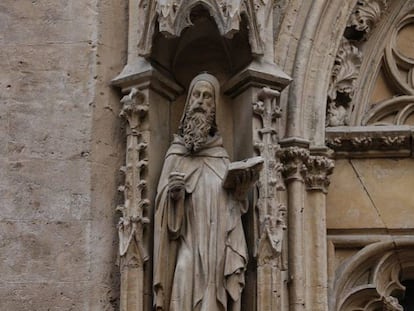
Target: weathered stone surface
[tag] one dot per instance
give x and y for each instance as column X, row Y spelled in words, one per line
column 59, row 153
column 20, row 296
column 38, row 251
column 35, row 190
column 62, row 142
column 369, row 194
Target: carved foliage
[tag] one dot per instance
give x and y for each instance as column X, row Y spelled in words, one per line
column 271, row 213
column 133, row 219
column 342, row 88
column 370, row 142
column 293, row 159
column 345, row 72
column 174, row 15
column 318, row 169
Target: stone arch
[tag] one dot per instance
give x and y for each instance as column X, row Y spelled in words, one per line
column 310, row 67
column 371, row 279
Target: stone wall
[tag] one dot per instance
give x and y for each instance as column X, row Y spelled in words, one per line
column 62, row 144
column 58, row 128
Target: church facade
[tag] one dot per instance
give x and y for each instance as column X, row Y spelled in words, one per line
column 319, row 93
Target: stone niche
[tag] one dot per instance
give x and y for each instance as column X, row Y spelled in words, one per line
column 201, row 48
column 170, row 42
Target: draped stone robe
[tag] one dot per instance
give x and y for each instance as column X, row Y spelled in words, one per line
column 200, row 252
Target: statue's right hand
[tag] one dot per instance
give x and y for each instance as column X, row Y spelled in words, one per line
column 176, row 186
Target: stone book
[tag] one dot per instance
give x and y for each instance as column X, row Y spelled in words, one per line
column 236, row 169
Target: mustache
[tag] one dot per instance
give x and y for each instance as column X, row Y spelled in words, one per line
column 197, row 110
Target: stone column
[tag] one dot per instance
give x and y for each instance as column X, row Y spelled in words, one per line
column 293, row 155
column 146, row 108
column 318, row 169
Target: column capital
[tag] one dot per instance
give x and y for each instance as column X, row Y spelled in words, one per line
column 317, row 171
column 293, row 159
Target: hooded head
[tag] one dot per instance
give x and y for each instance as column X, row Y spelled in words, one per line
column 199, row 118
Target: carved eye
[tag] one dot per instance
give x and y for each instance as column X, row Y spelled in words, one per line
column 196, row 94
column 207, row 96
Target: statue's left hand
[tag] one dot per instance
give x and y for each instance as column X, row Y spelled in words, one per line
column 244, row 181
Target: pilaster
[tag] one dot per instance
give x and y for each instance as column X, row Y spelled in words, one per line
column 146, row 109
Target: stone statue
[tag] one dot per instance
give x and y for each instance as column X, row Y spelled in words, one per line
column 200, row 252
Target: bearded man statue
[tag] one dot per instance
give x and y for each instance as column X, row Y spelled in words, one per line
column 200, row 252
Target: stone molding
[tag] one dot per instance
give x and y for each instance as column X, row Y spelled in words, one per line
column 370, row 141
column 317, row 172
column 395, row 59
column 401, row 106
column 142, row 74
column 386, row 264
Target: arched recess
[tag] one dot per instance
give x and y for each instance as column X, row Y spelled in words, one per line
column 202, row 48
column 371, row 279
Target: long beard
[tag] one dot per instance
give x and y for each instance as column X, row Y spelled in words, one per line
column 196, row 130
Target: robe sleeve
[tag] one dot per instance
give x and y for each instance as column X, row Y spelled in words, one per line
column 175, row 215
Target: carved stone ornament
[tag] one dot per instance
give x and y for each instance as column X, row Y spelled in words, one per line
column 346, row 69
column 318, row 169
column 370, row 141
column 294, row 159
column 132, row 249
column 174, row 15
column 364, row 17
column 400, row 108
column 342, row 87
column 271, row 212
column 371, row 279
column 200, row 253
